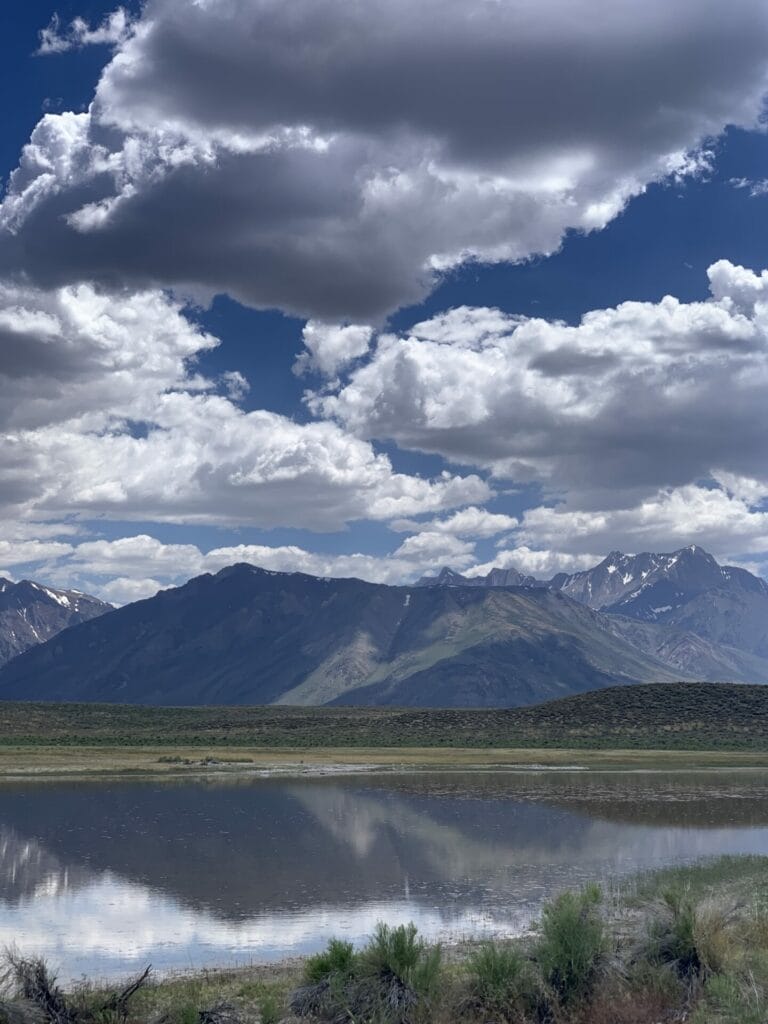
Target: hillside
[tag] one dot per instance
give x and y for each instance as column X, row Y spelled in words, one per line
column 671, row 716
column 705, row 620
column 249, row 636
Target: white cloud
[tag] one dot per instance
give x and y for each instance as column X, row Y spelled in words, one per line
column 337, row 185
column 757, row 187
column 113, row 29
column 332, row 347
column 467, row 522
column 131, row 568
column 632, row 399
column 18, row 553
column 722, row 523
column 431, row 549
column 124, row 590
column 103, row 413
column 543, row 564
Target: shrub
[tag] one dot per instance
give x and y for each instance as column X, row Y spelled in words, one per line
column 338, row 958
column 572, row 945
column 397, row 955
column 499, row 980
column 391, row 981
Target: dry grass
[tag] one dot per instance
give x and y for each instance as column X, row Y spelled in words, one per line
column 41, row 761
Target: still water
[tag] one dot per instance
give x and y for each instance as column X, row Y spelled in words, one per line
column 104, row 877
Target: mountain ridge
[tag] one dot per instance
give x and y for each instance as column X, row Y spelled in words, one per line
column 715, row 617
column 247, row 635
column 31, row 613
column 250, row 635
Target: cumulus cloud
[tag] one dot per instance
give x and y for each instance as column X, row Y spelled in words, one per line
column 56, row 38
column 467, row 522
column 720, row 521
column 728, row 517
column 123, row 590
column 102, row 412
column 330, row 159
column 331, row 347
column 134, row 567
column 630, row 400
column 543, row 564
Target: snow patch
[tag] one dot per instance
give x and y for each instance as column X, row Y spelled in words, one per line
column 61, row 599
column 407, row 600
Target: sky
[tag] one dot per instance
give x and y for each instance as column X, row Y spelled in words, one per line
column 372, row 288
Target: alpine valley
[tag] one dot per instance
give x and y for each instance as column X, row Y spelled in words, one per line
column 250, row 636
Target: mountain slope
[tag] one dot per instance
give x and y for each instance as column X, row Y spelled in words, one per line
column 247, row 636
column 705, row 620
column 30, row 614
column 691, row 654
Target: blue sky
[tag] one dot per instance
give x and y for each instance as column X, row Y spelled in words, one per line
column 687, row 471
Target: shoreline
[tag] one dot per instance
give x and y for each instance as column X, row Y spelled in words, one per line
column 678, row 939
column 18, row 763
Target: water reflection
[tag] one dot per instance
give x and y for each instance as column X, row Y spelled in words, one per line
column 100, row 877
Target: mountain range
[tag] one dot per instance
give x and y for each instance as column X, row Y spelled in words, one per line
column 250, row 636
column 30, row 614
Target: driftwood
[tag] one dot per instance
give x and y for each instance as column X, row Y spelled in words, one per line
column 222, row 1013
column 41, row 998
column 312, row 1000
column 388, row 998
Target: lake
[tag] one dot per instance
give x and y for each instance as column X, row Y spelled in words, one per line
column 102, row 878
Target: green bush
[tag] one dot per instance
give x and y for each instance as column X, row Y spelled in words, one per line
column 338, row 958
column 499, row 981
column 572, row 945
column 391, row 981
column 396, row 954
column 399, row 977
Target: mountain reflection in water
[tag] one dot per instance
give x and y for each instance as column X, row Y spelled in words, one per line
column 101, row 877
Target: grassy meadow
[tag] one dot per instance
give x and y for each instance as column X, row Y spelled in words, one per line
column 662, row 725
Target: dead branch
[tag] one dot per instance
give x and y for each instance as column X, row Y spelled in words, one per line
column 118, row 1003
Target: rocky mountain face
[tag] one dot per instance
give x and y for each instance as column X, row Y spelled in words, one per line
column 248, row 636
column 686, row 590
column 30, row 614
column 495, row 578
